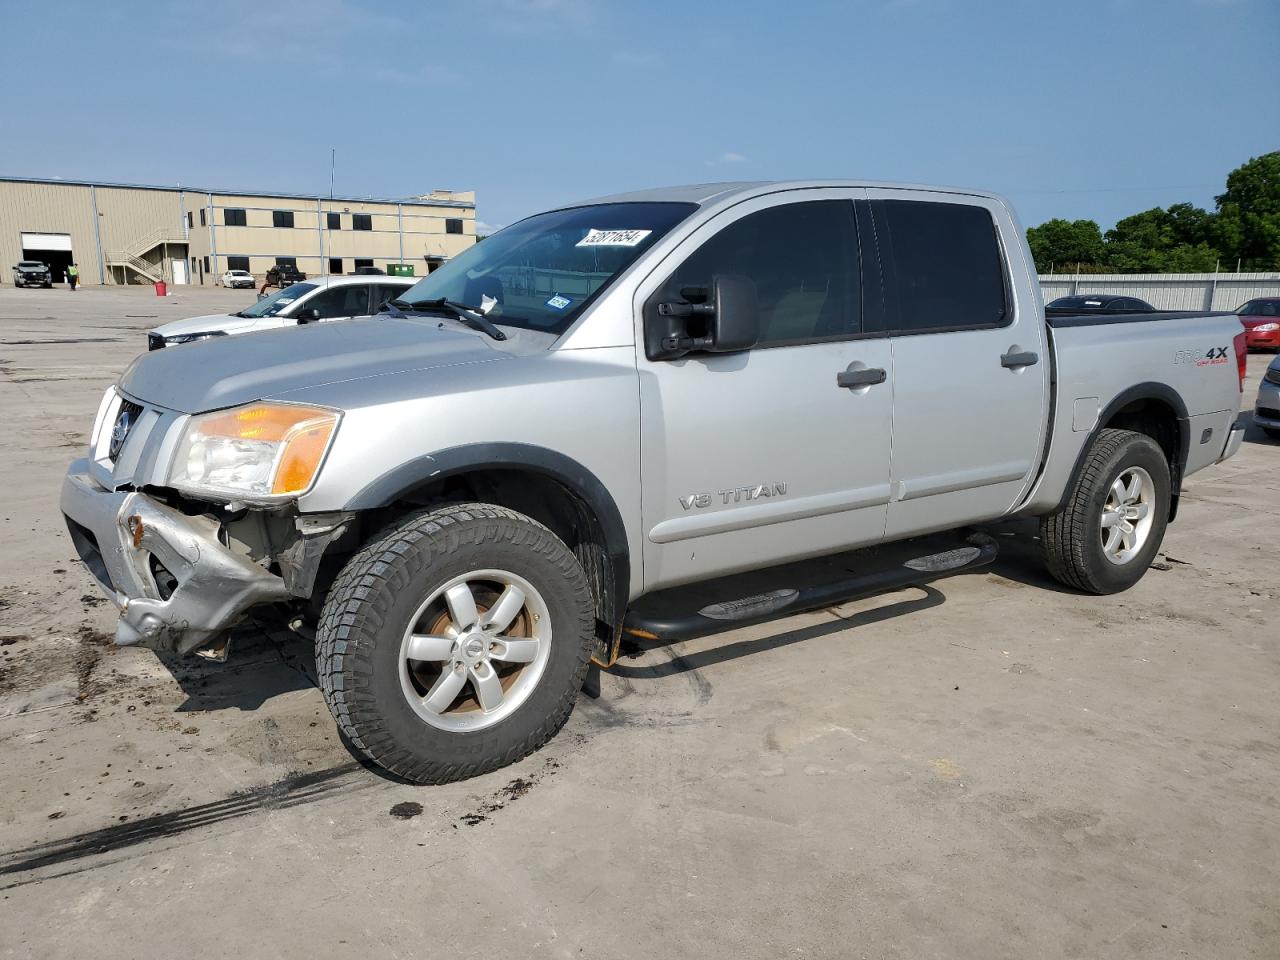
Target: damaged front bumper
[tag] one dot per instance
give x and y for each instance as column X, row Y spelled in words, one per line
column 175, row 583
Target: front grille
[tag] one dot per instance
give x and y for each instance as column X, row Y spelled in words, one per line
column 155, row 341
column 126, row 420
column 1269, row 413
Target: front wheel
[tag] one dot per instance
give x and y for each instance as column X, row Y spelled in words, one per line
column 1108, row 532
column 456, row 642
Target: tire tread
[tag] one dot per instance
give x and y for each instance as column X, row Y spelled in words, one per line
column 354, row 614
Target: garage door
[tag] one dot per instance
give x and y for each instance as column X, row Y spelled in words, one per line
column 46, row 241
column 51, row 248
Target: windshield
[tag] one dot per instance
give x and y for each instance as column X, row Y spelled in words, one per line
column 31, row 264
column 238, row 273
column 1260, row 308
column 540, row 273
column 278, row 301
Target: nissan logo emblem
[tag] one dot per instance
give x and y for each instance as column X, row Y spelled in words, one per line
column 119, row 433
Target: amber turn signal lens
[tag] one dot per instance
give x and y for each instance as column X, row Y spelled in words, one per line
column 304, row 448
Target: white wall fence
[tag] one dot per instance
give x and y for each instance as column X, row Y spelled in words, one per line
column 1168, row 291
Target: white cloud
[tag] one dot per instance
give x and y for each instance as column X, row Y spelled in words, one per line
column 484, row 229
column 729, row 157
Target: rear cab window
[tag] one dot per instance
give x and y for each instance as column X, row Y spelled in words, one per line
column 944, row 267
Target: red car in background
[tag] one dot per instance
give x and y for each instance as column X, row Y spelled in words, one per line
column 1261, row 319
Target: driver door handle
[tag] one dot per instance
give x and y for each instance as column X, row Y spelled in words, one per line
column 861, row 378
column 1024, row 359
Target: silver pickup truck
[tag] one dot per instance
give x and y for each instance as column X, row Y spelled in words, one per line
column 646, row 414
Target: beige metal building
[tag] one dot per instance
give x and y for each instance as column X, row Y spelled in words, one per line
column 128, row 233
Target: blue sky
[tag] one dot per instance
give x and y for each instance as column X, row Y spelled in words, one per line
column 1096, row 108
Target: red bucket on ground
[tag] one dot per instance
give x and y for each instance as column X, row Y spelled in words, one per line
column 162, row 288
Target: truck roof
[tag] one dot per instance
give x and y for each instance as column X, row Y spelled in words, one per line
column 706, row 193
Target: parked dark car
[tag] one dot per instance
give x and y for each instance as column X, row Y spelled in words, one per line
column 1261, row 319
column 370, row 271
column 1101, row 303
column 283, row 274
column 31, row 273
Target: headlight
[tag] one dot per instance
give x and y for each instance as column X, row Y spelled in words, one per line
column 1266, row 327
column 263, row 450
column 193, row 337
column 1272, row 375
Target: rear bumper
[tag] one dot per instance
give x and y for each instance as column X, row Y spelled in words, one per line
column 119, row 534
column 1235, row 436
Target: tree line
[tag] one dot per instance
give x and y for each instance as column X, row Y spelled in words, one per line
column 1244, row 229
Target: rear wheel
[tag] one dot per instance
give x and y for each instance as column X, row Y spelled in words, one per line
column 1110, row 529
column 456, row 642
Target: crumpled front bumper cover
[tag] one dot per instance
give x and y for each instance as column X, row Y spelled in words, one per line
column 116, row 534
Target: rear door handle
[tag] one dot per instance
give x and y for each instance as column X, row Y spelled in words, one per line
column 1026, row 358
column 867, row 377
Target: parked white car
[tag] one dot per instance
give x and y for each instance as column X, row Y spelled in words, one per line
column 238, row 278
column 329, row 298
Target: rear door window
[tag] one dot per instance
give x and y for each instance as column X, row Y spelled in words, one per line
column 946, row 268
column 803, row 259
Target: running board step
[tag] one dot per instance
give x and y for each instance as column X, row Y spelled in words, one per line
column 697, row 610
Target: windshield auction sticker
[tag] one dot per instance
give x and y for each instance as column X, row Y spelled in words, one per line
column 613, row 238
column 559, row 301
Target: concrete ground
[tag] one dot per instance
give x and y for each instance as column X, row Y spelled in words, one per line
column 990, row 767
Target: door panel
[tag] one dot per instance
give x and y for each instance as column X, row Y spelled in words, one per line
column 756, row 458
column 970, row 370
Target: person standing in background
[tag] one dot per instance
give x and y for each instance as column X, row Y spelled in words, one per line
column 73, row 276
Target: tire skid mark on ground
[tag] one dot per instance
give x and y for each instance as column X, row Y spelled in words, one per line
column 288, row 792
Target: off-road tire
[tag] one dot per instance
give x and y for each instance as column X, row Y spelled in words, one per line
column 367, row 612
column 1070, row 537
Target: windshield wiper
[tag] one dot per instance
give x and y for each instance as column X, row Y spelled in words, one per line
column 471, row 316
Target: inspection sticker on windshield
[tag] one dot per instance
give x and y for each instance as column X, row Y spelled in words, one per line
column 559, row 301
column 613, row 238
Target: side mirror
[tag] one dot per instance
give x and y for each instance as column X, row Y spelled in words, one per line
column 728, row 323
column 309, row 315
column 735, row 325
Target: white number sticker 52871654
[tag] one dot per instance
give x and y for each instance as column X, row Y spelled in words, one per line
column 613, row 238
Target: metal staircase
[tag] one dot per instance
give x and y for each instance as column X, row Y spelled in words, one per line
column 133, row 260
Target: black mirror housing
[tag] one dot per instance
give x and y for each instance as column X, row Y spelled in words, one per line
column 736, row 324
column 309, row 315
column 728, row 322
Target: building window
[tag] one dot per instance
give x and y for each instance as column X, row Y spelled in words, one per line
column 206, row 264
column 202, row 220
column 233, row 217
column 238, row 263
column 452, row 225
column 287, row 262
column 363, row 262
column 335, row 221
column 190, row 222
column 282, row 218
column 361, row 221
column 335, row 263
